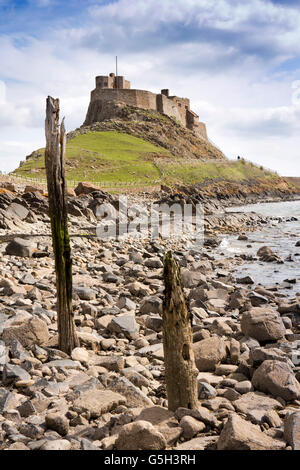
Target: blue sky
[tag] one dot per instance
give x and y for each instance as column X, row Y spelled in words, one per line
column 238, row 61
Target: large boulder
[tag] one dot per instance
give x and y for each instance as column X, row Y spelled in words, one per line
column 292, row 429
column 151, row 304
column 17, row 210
column 278, row 379
column 32, row 332
column 57, row 422
column 20, row 247
column 84, row 293
column 140, row 435
column 11, row 288
column 125, row 324
column 98, row 402
column 255, row 405
column 134, row 396
column 239, row 434
column 198, row 443
column 266, row 254
column 84, row 188
column 209, row 353
column 263, row 324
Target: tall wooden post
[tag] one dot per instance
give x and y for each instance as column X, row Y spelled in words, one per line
column 54, row 163
column 180, row 369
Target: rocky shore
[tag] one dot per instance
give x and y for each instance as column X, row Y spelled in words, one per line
column 110, row 394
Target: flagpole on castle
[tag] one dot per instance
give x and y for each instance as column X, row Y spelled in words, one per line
column 116, row 71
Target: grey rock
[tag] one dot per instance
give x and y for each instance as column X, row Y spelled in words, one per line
column 255, row 404
column 191, row 426
column 292, row 429
column 278, row 379
column 85, row 293
column 206, row 391
column 209, row 352
column 263, row 324
column 140, row 435
column 3, row 354
column 20, row 247
column 239, row 434
column 125, row 302
column 58, row 444
column 97, row 402
column 13, row 373
column 134, row 396
column 154, row 323
column 151, row 305
column 125, row 324
column 58, row 423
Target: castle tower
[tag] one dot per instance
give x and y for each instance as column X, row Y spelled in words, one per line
column 112, row 82
column 112, row 90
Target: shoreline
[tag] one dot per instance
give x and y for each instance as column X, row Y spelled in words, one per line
column 113, row 385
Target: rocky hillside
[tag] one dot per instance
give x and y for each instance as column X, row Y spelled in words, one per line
column 126, row 149
column 140, row 149
column 160, row 130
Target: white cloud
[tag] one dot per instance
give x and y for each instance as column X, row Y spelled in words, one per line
column 225, row 71
column 2, row 92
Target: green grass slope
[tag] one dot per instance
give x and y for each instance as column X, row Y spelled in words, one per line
column 103, row 156
column 117, row 158
column 193, row 172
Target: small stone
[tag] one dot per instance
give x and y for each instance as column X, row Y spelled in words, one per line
column 20, row 247
column 292, row 429
column 124, row 302
column 154, row 262
column 134, row 396
column 58, row 423
column 191, row 426
column 17, row 446
column 12, row 373
column 245, row 280
column 84, row 293
column 206, row 391
column 209, row 353
column 225, row 369
column 32, row 332
column 81, row 355
column 263, row 324
column 57, row 444
column 198, row 443
column 98, row 402
column 140, row 435
column 125, row 324
column 151, row 305
column 26, row 409
column 239, row 434
column 243, row 387
column 231, row 394
column 278, row 379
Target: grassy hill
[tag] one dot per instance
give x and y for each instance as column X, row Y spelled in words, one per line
column 144, row 148
column 115, row 157
column 103, row 156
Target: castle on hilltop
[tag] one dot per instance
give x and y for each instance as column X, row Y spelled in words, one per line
column 115, row 89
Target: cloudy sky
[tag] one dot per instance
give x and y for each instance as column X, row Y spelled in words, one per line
column 237, row 60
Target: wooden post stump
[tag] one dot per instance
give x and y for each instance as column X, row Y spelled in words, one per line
column 54, row 163
column 180, row 369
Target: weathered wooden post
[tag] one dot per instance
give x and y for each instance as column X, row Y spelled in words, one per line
column 180, row 369
column 54, row 163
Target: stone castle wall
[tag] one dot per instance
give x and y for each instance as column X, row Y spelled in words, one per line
column 173, row 106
